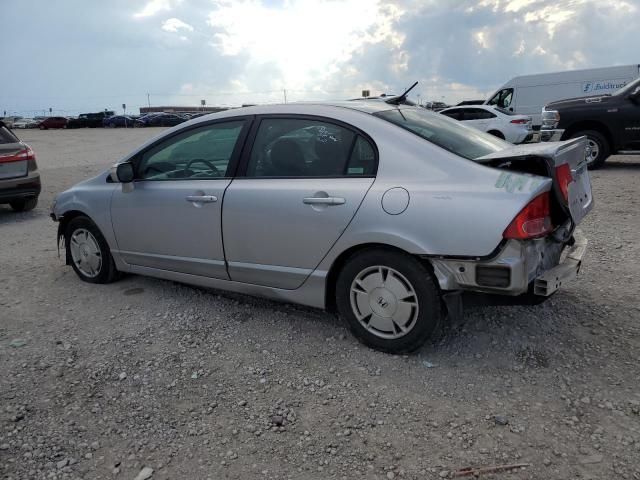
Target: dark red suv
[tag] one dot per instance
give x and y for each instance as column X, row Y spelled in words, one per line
column 52, row 122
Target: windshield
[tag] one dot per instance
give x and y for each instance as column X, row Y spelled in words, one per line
column 445, row 132
column 628, row 88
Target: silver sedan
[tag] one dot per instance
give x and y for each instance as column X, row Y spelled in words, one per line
column 381, row 213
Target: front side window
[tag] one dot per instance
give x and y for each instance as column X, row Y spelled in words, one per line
column 199, row 154
column 444, row 132
column 503, row 98
column 287, row 147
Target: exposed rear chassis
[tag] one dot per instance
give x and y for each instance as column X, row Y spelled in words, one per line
column 536, row 266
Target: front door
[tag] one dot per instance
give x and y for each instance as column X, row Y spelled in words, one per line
column 171, row 220
column 304, row 180
column 629, row 115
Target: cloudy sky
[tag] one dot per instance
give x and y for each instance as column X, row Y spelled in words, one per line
column 79, row 55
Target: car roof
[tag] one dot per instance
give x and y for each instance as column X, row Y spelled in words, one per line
column 301, row 108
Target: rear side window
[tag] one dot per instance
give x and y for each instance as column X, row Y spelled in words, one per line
column 477, row 114
column 288, row 147
column 6, row 136
column 455, row 113
column 363, row 159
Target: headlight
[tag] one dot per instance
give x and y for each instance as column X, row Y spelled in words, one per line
column 550, row 119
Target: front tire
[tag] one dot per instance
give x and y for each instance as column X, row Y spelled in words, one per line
column 24, row 205
column 389, row 300
column 599, row 149
column 89, row 252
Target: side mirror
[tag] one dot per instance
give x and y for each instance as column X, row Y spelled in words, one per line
column 635, row 96
column 124, row 172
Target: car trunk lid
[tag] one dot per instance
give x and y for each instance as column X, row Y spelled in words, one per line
column 549, row 159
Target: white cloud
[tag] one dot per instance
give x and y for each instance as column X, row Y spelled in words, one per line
column 248, row 51
column 175, row 24
column 306, row 41
column 153, row 7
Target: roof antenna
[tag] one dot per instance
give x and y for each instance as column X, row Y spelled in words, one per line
column 398, row 100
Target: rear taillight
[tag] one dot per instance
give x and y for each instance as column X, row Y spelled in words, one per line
column 520, row 121
column 24, row 154
column 533, row 221
column 564, row 177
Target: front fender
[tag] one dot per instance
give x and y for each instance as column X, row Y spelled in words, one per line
column 91, row 198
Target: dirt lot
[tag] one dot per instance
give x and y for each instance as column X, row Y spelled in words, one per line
column 101, row 381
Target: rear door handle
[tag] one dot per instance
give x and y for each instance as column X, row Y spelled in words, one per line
column 324, row 201
column 201, row 198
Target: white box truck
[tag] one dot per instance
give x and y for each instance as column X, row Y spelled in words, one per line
column 528, row 94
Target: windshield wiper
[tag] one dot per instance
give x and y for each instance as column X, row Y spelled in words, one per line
column 401, row 98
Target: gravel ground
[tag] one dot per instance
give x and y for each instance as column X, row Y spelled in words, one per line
column 147, row 378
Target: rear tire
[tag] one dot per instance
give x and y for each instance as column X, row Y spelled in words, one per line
column 600, row 149
column 389, row 300
column 89, row 252
column 24, row 205
column 496, row 133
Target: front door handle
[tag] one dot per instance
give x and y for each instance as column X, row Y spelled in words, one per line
column 202, row 198
column 324, row 201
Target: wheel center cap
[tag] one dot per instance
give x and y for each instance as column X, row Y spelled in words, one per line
column 383, row 302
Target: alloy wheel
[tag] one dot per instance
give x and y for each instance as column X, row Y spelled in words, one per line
column 593, row 150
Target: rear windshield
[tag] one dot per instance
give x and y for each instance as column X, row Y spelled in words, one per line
column 6, row 136
column 441, row 130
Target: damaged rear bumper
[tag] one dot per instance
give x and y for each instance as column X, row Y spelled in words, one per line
column 541, row 266
column 567, row 270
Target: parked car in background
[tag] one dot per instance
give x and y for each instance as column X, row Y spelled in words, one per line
column 159, row 120
column 26, row 123
column 53, row 122
column 118, row 121
column 89, row 120
column 470, row 102
column 19, row 177
column 344, row 206
column 384, row 98
column 435, row 106
column 9, row 121
column 496, row 121
column 610, row 123
column 528, row 94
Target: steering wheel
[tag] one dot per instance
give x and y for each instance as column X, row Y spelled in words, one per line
column 206, row 162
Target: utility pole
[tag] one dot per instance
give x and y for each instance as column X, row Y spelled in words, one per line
column 148, row 100
column 285, row 95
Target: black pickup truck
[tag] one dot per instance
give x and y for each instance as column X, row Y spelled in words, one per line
column 611, row 123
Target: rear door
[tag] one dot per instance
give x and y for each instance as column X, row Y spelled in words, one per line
column 12, row 165
column 299, row 187
column 629, row 118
